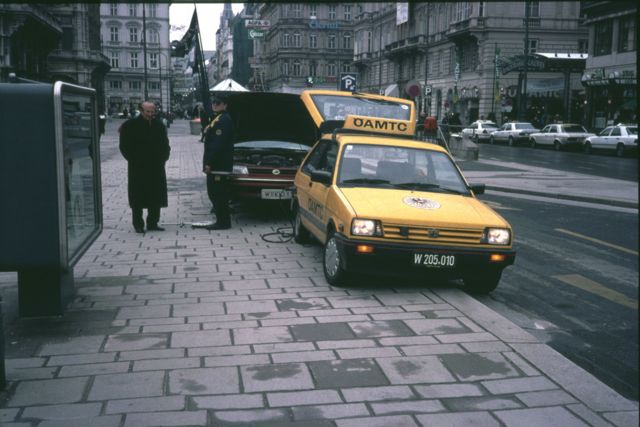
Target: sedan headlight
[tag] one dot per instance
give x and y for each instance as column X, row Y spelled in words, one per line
column 240, row 170
column 497, row 236
column 366, row 227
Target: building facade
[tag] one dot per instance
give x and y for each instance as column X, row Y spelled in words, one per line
column 610, row 77
column 224, row 44
column 123, row 42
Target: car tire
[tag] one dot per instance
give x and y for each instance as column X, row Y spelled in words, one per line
column 332, row 262
column 620, row 150
column 532, row 143
column 587, row 148
column 482, row 283
column 510, row 141
column 300, row 233
column 557, row 146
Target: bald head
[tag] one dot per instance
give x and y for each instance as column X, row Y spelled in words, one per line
column 148, row 110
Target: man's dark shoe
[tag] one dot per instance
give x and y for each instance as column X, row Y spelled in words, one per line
column 139, row 229
column 154, row 228
column 217, row 226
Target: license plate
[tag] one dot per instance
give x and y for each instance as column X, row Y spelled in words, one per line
column 275, row 194
column 434, row 260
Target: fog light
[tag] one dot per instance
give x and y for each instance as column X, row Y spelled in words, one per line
column 497, row 258
column 364, row 249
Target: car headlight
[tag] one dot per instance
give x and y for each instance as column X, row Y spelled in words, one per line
column 240, row 170
column 366, row 227
column 497, row 236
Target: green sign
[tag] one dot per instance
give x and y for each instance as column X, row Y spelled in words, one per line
column 256, row 34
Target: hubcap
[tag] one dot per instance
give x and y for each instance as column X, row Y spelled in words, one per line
column 331, row 257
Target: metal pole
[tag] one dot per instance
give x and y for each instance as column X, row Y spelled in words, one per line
column 523, row 114
column 427, row 109
column 160, row 72
column 144, row 50
column 495, row 73
column 380, row 61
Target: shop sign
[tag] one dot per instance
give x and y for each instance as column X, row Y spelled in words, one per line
column 257, row 23
column 256, row 33
column 314, row 24
column 325, row 79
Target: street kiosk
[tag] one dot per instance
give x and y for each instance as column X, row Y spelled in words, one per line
column 50, row 190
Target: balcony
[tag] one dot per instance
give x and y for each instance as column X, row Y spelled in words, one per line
column 465, row 29
column 406, row 47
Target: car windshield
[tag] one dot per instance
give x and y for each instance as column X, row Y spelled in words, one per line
column 383, row 166
column 335, row 107
column 488, row 126
column 632, row 130
column 573, row 128
column 524, row 126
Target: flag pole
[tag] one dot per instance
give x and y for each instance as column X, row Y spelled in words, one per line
column 204, row 81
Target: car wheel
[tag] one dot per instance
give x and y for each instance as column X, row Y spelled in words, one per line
column 532, row 143
column 333, row 263
column 482, row 283
column 510, row 141
column 300, row 233
column 557, row 146
column 620, row 150
column 587, row 148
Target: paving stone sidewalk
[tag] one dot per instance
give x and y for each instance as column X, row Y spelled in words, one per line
column 190, row 327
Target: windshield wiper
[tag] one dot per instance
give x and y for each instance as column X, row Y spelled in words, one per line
column 426, row 186
column 365, row 181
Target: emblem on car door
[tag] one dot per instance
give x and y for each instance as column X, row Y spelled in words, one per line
column 276, row 171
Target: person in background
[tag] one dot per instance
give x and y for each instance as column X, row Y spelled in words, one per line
column 218, row 157
column 145, row 146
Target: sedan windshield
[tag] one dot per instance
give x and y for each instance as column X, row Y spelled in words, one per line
column 383, row 166
column 524, row 126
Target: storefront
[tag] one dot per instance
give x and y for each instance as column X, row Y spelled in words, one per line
column 611, row 97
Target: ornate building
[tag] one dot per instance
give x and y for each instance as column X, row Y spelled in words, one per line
column 123, row 39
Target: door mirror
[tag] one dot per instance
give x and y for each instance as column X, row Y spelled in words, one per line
column 477, row 188
column 322, row 177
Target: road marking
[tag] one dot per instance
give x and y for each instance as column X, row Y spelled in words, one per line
column 499, row 206
column 601, row 242
column 596, row 288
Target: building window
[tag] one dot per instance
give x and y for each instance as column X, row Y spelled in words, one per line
column 332, row 12
column 462, row 11
column 153, row 60
column 285, row 68
column 602, row 41
column 154, row 85
column 331, row 69
column 135, row 85
column 346, row 41
column 627, row 34
column 295, row 10
column 115, row 84
column 115, row 60
column 533, row 46
column 313, row 41
column 583, row 46
column 154, row 36
column 313, row 69
column 115, row 34
column 534, row 9
column 286, row 40
column 481, row 8
column 369, row 41
column 347, row 13
column 331, row 43
column 297, row 40
column 113, row 9
column 133, row 60
column 346, row 68
column 153, row 10
column 296, row 68
column 313, row 11
column 133, row 9
column 133, row 35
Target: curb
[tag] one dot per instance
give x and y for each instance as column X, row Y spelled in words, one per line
column 609, row 202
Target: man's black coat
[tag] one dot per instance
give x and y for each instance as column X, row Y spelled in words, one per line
column 218, row 144
column 145, row 145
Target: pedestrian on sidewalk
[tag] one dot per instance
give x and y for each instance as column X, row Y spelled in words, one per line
column 430, row 128
column 145, row 146
column 218, row 157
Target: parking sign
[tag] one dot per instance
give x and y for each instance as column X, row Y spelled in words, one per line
column 348, row 81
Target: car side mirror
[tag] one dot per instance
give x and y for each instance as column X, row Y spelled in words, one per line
column 323, row 177
column 477, row 188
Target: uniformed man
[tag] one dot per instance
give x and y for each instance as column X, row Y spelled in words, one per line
column 218, row 161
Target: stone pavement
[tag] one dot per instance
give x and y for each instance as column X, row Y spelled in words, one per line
column 190, row 327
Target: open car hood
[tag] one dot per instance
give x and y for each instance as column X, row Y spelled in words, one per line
column 261, row 116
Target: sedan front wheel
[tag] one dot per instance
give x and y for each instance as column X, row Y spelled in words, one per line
column 333, row 263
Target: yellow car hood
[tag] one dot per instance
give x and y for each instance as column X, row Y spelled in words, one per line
column 389, row 206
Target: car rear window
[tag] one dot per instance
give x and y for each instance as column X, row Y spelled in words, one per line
column 574, row 128
column 524, row 126
column 633, row 130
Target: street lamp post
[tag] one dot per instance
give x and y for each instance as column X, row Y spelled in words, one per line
column 144, row 50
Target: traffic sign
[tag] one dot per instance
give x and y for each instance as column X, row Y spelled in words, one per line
column 257, row 23
column 428, row 89
column 256, row 33
column 348, row 81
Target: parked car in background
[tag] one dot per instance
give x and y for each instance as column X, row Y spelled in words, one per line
column 273, row 132
column 560, row 135
column 620, row 138
column 480, row 130
column 513, row 132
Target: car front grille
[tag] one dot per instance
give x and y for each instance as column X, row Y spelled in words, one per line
column 467, row 236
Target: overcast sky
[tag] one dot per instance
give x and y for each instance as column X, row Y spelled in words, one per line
column 208, row 17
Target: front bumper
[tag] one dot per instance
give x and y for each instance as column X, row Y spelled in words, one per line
column 248, row 189
column 390, row 258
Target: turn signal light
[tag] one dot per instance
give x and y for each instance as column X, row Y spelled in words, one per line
column 364, row 249
column 497, row 258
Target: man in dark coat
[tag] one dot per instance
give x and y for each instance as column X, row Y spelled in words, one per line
column 145, row 146
column 218, row 157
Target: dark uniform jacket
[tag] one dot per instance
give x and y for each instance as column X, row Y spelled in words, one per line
column 218, row 144
column 145, row 145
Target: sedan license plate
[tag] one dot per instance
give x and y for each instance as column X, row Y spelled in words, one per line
column 275, row 194
column 434, row 260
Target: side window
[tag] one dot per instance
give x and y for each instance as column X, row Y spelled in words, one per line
column 615, row 132
column 316, row 157
column 606, row 131
column 330, row 158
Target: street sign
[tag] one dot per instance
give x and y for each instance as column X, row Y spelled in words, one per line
column 257, row 23
column 348, row 81
column 256, row 33
column 428, row 89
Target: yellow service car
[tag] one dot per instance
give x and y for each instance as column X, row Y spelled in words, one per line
column 383, row 202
